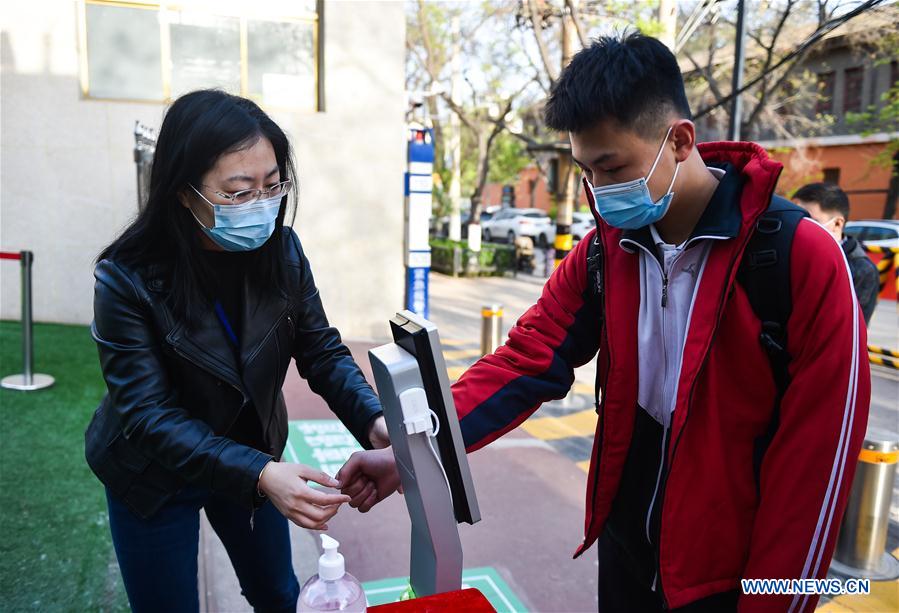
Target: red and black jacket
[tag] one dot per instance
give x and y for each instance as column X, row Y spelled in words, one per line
column 718, row 521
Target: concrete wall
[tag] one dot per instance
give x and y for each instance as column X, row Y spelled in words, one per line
column 67, row 176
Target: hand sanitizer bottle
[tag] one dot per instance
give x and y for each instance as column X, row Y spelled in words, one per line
column 332, row 589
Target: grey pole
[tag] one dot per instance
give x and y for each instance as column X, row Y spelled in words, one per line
column 27, row 322
column 861, row 546
column 28, row 380
column 491, row 328
column 736, row 107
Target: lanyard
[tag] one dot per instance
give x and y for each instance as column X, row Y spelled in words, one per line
column 225, row 323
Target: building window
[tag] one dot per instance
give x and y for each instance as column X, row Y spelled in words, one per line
column 824, row 105
column 852, row 90
column 146, row 51
column 832, row 175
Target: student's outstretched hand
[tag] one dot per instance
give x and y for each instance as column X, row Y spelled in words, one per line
column 285, row 485
column 369, row 477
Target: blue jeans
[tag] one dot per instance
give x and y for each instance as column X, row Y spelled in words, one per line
column 158, row 556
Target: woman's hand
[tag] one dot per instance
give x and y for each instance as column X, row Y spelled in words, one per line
column 285, row 485
column 369, row 477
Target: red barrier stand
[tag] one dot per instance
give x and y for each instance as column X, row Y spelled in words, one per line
column 28, row 380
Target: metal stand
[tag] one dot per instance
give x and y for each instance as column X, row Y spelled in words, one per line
column 436, row 564
column 28, row 380
column 491, row 328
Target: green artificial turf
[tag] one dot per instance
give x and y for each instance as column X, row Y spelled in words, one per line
column 55, row 549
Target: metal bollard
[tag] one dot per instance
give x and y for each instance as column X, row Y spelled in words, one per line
column 28, row 380
column 491, row 328
column 861, row 546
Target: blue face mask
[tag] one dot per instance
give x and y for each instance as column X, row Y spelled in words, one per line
column 629, row 205
column 242, row 227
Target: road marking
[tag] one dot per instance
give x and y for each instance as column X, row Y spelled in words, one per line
column 461, row 354
column 513, row 443
column 454, row 372
column 584, row 388
column 582, row 423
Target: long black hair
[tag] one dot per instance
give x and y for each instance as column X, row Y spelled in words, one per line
column 197, row 130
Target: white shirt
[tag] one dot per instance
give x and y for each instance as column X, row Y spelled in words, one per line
column 672, row 278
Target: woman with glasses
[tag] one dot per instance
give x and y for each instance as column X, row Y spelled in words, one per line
column 199, row 307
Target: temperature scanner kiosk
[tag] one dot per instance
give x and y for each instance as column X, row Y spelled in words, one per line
column 410, row 374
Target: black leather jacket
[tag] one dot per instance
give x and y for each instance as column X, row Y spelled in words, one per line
column 173, row 393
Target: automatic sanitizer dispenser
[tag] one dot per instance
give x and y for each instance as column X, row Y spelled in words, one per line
column 410, row 374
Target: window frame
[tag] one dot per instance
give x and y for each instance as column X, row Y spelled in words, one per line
column 316, row 20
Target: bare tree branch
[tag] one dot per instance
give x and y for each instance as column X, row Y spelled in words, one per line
column 706, row 72
column 464, row 117
column 551, row 70
column 576, row 18
column 426, row 39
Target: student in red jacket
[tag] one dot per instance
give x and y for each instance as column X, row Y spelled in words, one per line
column 710, row 464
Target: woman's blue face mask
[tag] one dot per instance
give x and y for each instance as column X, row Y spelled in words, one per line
column 242, row 227
column 629, row 205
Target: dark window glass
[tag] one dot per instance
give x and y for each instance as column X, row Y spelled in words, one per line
column 852, row 90
column 874, row 233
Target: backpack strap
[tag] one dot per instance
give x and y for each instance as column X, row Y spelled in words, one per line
column 765, row 275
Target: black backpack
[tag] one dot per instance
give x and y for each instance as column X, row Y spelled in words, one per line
column 765, row 275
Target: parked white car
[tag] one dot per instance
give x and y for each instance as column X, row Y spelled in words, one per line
column 581, row 225
column 875, row 232
column 509, row 224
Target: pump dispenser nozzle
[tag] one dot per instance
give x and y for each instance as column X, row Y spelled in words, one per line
column 330, row 565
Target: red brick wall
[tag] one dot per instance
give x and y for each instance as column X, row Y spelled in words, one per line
column 855, row 173
column 529, row 180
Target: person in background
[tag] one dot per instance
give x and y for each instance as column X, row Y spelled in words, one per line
column 829, row 206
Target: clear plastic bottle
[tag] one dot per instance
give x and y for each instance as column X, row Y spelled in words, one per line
column 332, row 589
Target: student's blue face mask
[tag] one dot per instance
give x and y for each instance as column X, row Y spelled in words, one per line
column 242, row 227
column 629, row 205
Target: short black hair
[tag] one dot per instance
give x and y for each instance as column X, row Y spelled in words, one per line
column 632, row 79
column 828, row 196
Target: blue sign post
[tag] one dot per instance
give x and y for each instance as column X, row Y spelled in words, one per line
column 419, row 187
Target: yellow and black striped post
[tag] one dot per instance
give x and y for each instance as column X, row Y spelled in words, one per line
column 882, row 360
column 883, row 351
column 889, row 261
column 563, row 242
